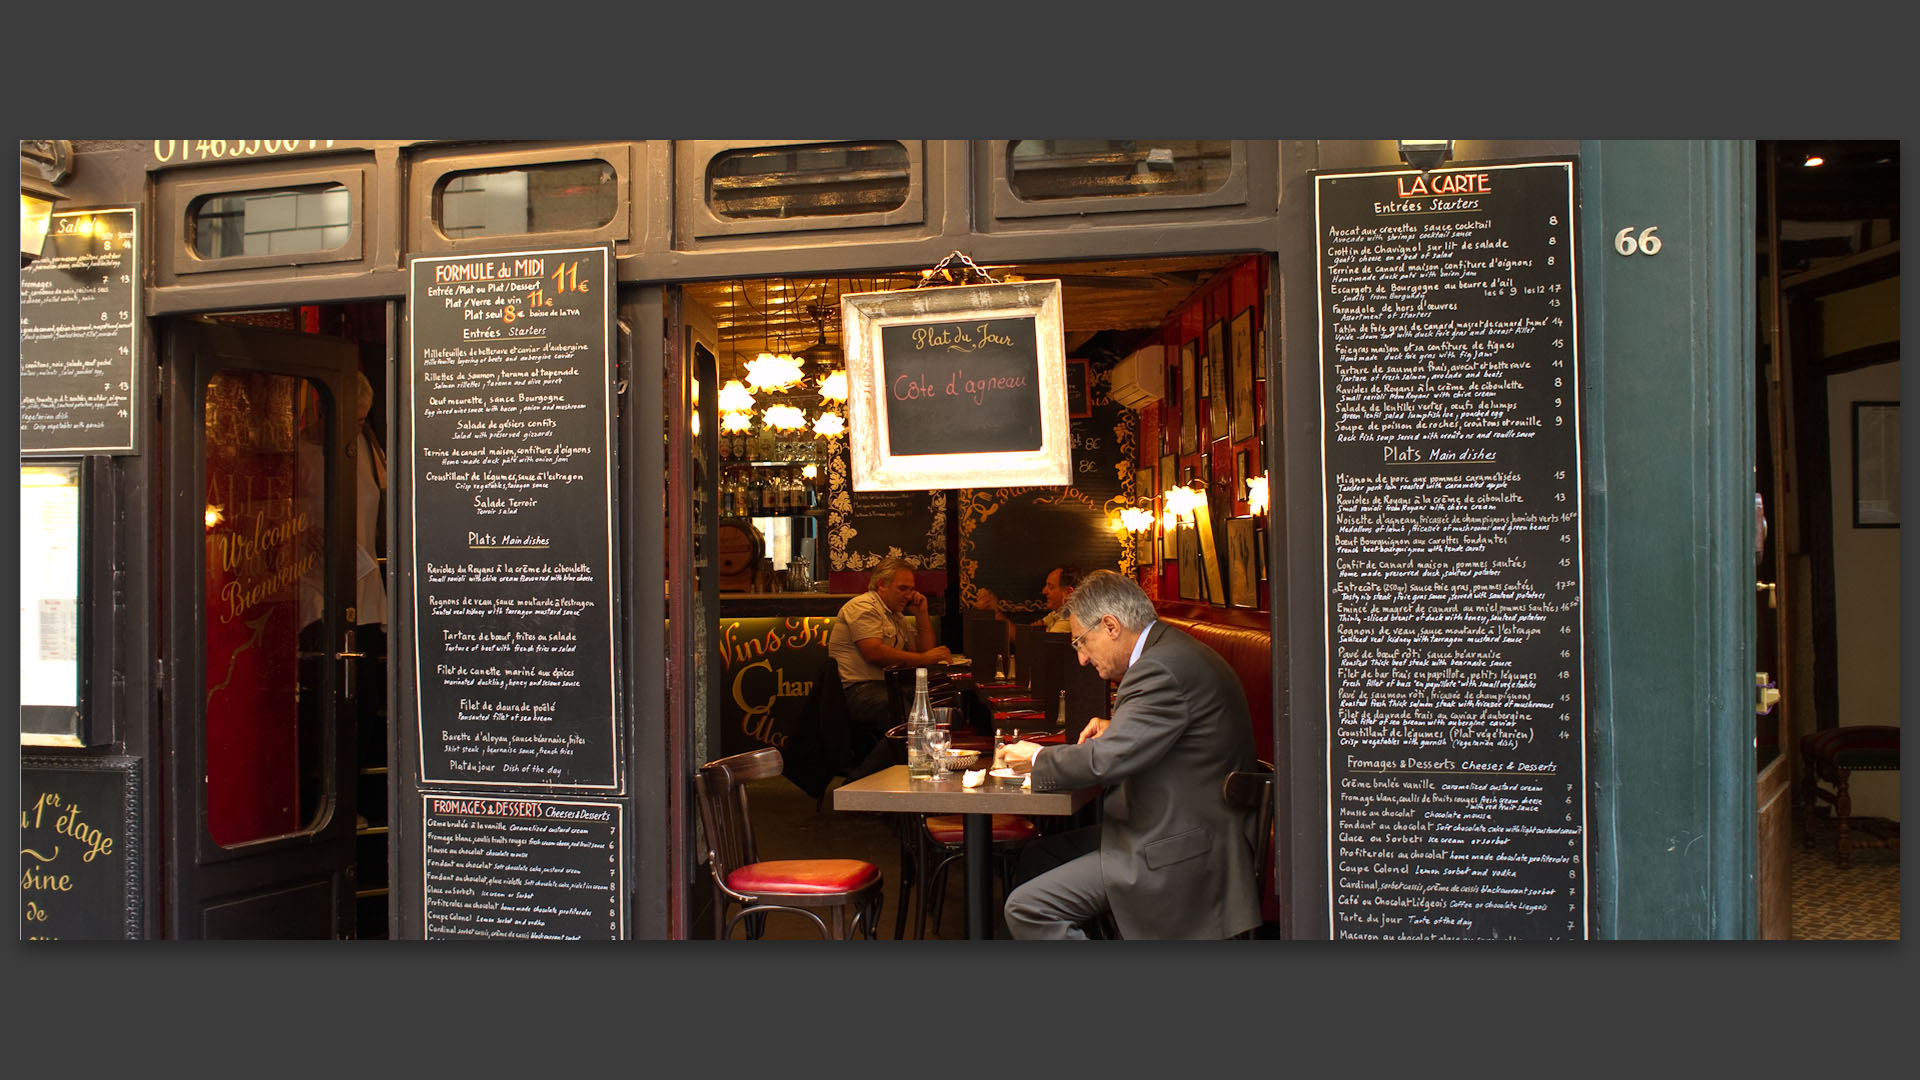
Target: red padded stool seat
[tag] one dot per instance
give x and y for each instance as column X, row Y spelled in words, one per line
column 1831, row 756
column 951, row 828
column 794, row 876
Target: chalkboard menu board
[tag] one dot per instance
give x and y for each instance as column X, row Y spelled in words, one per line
column 1450, row 388
column 78, row 312
column 956, row 386
column 547, row 869
column 513, row 519
column 79, row 848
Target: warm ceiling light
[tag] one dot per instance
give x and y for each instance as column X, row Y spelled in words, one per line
column 734, row 398
column 736, row 422
column 834, row 387
column 214, row 516
column 774, row 372
column 696, row 423
column 1814, row 159
column 830, row 425
column 784, row 418
column 811, row 471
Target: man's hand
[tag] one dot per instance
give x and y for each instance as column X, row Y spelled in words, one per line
column 916, row 603
column 936, row 655
column 1019, row 756
column 1093, row 730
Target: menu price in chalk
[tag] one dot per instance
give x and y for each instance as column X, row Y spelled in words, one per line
column 522, row 868
column 1454, row 566
column 78, row 315
column 512, row 519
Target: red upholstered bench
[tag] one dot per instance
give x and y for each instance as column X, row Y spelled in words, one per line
column 1830, row 757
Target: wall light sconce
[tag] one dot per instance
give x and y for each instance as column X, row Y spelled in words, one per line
column 1426, row 154
column 1257, row 495
column 1183, row 500
column 44, row 163
column 1127, row 514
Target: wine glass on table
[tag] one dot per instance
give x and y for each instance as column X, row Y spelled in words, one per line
column 939, row 740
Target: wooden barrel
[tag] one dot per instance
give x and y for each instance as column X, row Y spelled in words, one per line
column 737, row 552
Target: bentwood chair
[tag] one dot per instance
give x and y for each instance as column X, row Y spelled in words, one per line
column 937, row 843
column 848, row 890
column 1253, row 790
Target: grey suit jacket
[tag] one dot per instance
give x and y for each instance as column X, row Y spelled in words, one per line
column 1178, row 861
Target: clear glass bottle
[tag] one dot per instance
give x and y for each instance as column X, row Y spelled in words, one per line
column 1060, row 720
column 920, row 765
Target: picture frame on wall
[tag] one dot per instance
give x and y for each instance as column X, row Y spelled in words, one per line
column 1242, row 469
column 1241, row 335
column 1243, row 584
column 1217, row 367
column 1189, row 418
column 1162, row 483
column 1189, row 564
column 1876, row 464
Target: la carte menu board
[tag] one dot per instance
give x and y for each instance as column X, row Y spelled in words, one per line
column 513, row 519
column 544, row 869
column 1450, row 387
column 79, row 849
column 78, row 312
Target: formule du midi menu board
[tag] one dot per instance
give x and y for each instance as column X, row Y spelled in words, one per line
column 512, row 516
column 1453, row 557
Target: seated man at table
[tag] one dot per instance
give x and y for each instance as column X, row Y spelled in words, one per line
column 871, row 633
column 1171, row 859
column 1058, row 589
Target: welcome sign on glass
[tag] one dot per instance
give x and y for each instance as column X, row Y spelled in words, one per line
column 957, row 386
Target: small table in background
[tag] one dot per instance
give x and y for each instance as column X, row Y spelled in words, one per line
column 892, row 791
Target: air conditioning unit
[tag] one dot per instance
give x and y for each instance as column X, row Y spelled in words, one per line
column 1138, row 379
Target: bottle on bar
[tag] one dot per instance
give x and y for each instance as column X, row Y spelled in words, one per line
column 920, row 764
column 1060, row 720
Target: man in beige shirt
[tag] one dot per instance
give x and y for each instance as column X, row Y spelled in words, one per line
column 871, row 633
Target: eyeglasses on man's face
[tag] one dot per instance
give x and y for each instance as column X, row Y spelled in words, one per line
column 1081, row 640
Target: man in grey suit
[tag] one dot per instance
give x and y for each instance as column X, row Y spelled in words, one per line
column 1170, row 859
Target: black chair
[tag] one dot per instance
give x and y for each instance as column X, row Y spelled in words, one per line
column 849, row 890
column 1253, row 790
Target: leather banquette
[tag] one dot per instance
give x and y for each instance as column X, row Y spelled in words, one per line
column 1245, row 640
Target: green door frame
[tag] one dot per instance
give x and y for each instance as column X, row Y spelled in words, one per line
column 1669, row 341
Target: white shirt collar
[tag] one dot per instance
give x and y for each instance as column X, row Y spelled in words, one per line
column 1140, row 642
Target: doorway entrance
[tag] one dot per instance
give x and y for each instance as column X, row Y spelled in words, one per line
column 275, row 623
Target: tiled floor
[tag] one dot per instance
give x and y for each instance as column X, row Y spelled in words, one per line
column 1861, row 902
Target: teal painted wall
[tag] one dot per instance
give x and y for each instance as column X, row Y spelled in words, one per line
column 1669, row 346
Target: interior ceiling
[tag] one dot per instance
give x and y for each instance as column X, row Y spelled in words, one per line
column 1846, row 205
column 1105, row 306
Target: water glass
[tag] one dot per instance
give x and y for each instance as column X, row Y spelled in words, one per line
column 939, row 739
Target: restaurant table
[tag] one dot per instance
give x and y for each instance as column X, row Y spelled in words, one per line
column 892, row 791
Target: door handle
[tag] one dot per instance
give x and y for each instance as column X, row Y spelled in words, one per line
column 347, row 656
column 1769, row 694
column 1768, row 588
